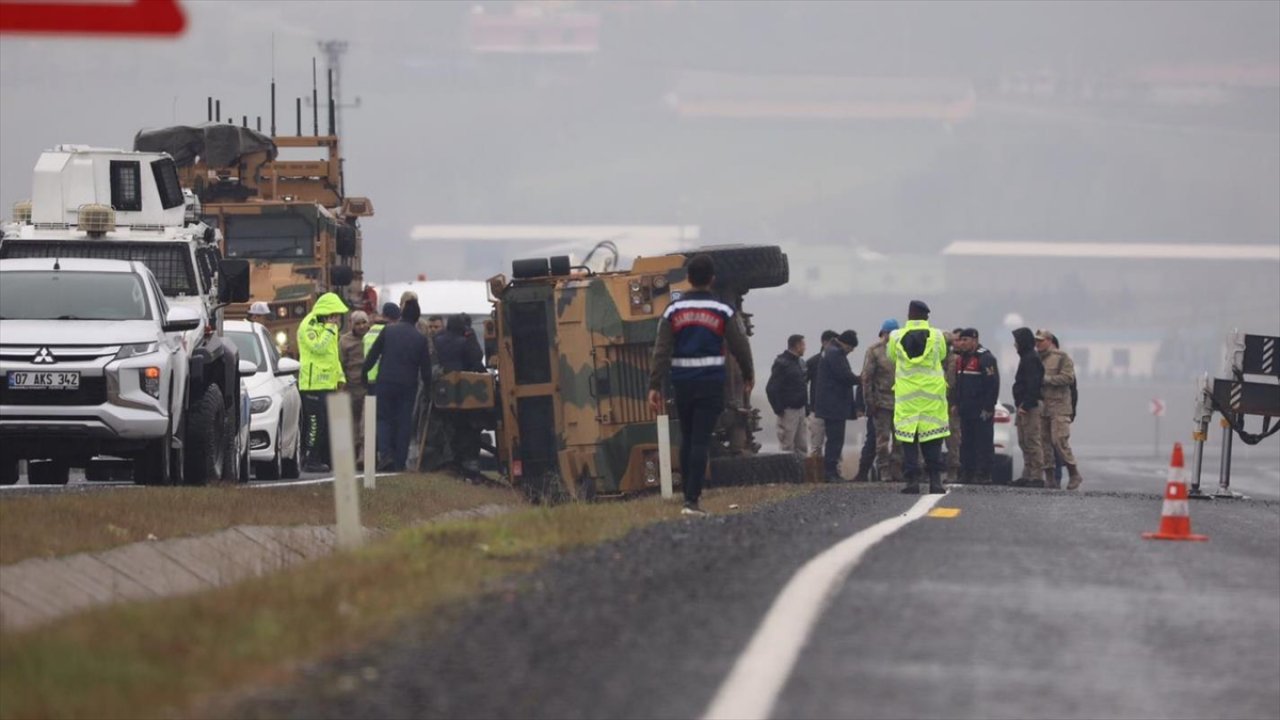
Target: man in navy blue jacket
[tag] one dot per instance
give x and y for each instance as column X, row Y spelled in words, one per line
column 403, row 358
column 833, row 401
column 693, row 336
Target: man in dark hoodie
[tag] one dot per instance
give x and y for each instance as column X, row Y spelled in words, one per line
column 817, row 429
column 834, row 399
column 787, row 396
column 458, row 351
column 403, row 358
column 1026, row 396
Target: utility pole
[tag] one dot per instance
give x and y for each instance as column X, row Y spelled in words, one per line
column 333, row 51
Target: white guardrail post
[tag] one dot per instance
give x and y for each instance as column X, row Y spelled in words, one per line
column 370, row 442
column 342, row 452
column 664, row 455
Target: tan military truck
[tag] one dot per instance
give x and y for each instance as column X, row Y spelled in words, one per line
column 290, row 219
column 573, row 352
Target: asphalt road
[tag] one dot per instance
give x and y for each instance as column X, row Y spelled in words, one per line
column 1026, row 603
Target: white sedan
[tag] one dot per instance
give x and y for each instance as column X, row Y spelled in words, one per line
column 274, row 404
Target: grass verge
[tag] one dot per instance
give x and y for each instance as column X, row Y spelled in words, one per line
column 156, row 659
column 43, row 526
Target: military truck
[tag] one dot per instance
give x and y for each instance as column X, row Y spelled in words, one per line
column 290, row 218
column 573, row 353
column 117, row 205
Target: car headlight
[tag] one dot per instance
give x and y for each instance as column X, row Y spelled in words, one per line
column 128, row 351
column 282, row 339
column 260, row 405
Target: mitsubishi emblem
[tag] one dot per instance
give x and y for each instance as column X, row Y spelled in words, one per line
column 44, row 357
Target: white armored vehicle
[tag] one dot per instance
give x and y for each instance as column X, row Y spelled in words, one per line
column 97, row 204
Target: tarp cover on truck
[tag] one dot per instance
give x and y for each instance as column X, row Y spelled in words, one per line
column 218, row 144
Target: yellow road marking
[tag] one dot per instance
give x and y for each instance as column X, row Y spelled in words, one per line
column 944, row 512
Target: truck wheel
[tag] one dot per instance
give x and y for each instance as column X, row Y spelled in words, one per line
column 8, row 470
column 749, row 267
column 205, row 446
column 48, row 472
column 234, row 467
column 151, row 466
column 756, row 469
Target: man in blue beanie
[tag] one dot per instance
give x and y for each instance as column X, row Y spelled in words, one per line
column 877, row 390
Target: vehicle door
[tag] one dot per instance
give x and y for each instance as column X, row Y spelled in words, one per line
column 283, row 386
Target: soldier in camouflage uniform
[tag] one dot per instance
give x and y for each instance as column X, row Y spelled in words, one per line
column 877, row 388
column 953, row 407
column 351, row 350
column 1055, row 418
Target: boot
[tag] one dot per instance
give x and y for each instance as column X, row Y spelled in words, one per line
column 935, row 484
column 1050, row 481
column 913, row 486
column 1075, row 480
column 863, row 467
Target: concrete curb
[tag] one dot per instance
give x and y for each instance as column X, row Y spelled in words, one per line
column 37, row 591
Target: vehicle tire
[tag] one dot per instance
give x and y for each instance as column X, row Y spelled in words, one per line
column 290, row 465
column 153, row 465
column 271, row 469
column 749, row 267
column 48, row 472
column 756, row 469
column 1002, row 470
column 205, row 446
column 233, row 461
column 8, row 471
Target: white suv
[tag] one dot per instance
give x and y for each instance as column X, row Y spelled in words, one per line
column 94, row 362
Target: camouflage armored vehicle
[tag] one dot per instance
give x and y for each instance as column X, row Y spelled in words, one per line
column 573, row 352
column 289, row 218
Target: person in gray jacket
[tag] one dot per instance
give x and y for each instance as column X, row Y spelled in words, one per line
column 833, row 399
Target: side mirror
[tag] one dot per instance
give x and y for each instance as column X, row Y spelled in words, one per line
column 288, row 366
column 233, row 281
column 247, row 368
column 181, row 319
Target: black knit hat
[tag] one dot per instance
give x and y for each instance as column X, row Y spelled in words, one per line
column 850, row 338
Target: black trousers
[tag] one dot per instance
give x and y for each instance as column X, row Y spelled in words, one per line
column 977, row 445
column 868, row 456
column 835, row 446
column 698, row 406
column 315, row 427
column 395, row 422
column 932, row 451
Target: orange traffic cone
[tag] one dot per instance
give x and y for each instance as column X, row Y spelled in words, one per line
column 1175, row 519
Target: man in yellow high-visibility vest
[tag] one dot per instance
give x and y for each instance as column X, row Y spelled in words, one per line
column 920, row 414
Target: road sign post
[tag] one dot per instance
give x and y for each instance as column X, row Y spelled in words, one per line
column 1157, row 412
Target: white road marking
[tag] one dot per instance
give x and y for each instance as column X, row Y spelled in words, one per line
column 761, row 671
column 295, row 483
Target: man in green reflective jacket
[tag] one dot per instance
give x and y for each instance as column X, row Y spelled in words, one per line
column 320, row 375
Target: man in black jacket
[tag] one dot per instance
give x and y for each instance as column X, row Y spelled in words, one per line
column 977, row 392
column 403, row 357
column 817, row 429
column 458, row 436
column 1026, row 396
column 834, row 399
column 787, row 396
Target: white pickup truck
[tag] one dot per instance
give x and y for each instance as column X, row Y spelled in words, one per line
column 94, row 363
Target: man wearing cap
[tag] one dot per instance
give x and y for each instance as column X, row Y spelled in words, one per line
column 259, row 312
column 1055, row 418
column 834, row 399
column 920, row 421
column 1026, row 396
column 817, row 429
column 977, row 391
column 695, row 334
column 877, row 388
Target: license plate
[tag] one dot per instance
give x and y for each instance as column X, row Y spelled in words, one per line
column 44, row 380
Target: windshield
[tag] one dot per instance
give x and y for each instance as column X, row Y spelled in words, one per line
column 269, row 237
column 250, row 348
column 62, row 295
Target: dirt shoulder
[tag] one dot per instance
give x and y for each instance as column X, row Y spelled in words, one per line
column 46, row 526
